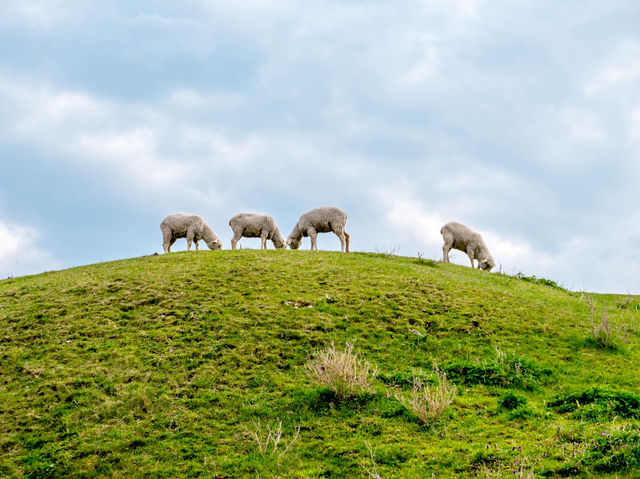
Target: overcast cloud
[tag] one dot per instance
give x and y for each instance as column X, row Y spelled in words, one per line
column 520, row 119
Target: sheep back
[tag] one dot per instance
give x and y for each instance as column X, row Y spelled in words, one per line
column 251, row 225
column 323, row 219
column 179, row 223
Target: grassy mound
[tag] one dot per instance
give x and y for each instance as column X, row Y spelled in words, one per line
column 193, row 364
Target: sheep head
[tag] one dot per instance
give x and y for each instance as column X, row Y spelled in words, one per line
column 293, row 243
column 486, row 263
column 278, row 240
column 209, row 237
column 295, row 238
column 215, row 244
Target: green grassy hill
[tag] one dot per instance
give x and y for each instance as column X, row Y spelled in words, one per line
column 178, row 366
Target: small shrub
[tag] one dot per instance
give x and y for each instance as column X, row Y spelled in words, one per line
column 341, row 371
column 522, row 412
column 598, row 403
column 543, row 281
column 428, row 404
column 504, row 370
column 512, row 401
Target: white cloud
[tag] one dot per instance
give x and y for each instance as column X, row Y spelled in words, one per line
column 187, row 99
column 518, row 255
column 145, row 146
column 420, row 52
column 576, row 134
column 581, row 126
column 634, row 125
column 405, row 213
column 20, row 251
column 133, row 154
column 33, row 13
column 621, row 72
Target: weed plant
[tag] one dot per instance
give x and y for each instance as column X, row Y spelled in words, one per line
column 270, row 441
column 427, row 403
column 602, row 332
column 512, row 401
column 343, row 372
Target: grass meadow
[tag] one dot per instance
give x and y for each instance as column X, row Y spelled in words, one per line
column 200, row 364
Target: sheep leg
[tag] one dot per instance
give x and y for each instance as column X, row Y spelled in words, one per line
column 196, row 242
column 170, row 242
column 346, row 238
column 471, row 256
column 263, row 241
column 166, row 243
column 313, row 236
column 190, row 236
column 343, row 241
column 235, row 239
column 448, row 243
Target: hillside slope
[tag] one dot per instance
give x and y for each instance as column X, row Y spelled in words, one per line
column 170, row 366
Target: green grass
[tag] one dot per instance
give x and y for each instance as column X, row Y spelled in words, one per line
column 167, row 366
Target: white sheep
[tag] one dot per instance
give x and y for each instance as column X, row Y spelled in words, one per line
column 192, row 227
column 323, row 219
column 253, row 225
column 460, row 237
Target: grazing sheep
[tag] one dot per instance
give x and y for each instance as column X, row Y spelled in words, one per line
column 462, row 238
column 252, row 225
column 192, row 227
column 323, row 219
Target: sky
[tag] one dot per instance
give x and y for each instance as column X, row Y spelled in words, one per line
column 519, row 119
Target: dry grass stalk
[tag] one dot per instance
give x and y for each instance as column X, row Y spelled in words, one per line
column 341, row 371
column 373, row 472
column 602, row 330
column 428, row 404
column 268, row 441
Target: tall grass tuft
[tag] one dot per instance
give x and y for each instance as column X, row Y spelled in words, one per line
column 602, row 332
column 428, row 404
column 341, row 371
